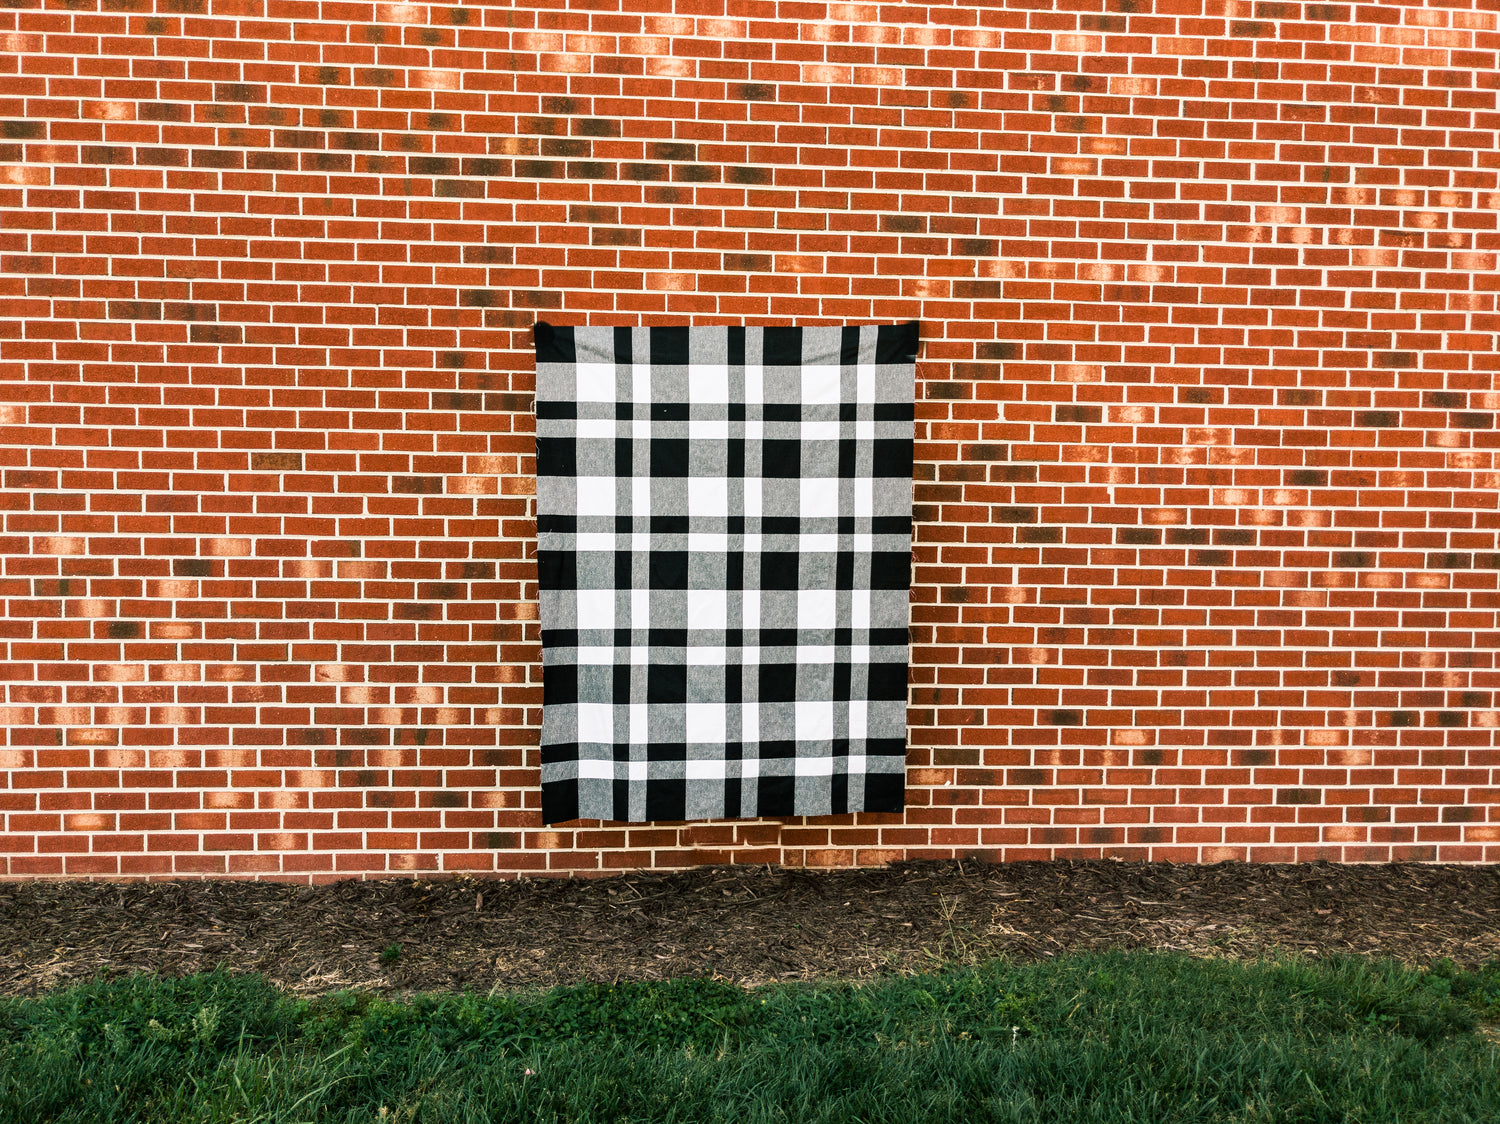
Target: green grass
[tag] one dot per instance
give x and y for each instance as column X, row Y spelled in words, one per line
column 1114, row 1037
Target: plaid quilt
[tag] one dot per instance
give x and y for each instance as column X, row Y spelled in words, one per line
column 724, row 526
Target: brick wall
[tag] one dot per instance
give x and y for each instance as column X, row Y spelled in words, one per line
column 1206, row 559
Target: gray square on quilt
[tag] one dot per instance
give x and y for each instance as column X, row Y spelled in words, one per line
column 724, row 548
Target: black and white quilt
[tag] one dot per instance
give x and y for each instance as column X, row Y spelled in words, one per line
column 724, row 525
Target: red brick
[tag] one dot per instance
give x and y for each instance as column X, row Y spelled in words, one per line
column 1206, row 558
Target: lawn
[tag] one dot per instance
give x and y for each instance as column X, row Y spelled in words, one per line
column 1150, row 1037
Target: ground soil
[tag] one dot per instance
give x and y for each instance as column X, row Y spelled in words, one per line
column 745, row 924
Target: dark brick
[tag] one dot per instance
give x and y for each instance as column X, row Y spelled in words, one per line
column 162, row 157
column 596, row 127
column 452, row 360
column 483, row 166
column 542, row 126
column 1299, row 796
column 354, row 142
column 326, row 162
column 1064, row 717
column 135, row 310
column 1450, row 718
column 669, row 196
column 1234, row 536
column 432, row 165
column 1065, row 412
column 1210, row 558
column 1403, row 718
column 1450, row 560
column 1250, row 29
column 478, row 298
column 671, row 150
column 562, row 106
column 976, row 247
column 1307, row 478
column 190, row 311
column 276, row 462
column 1138, row 536
column 999, row 349
column 456, row 400
column 695, row 173
column 540, row 169
column 1330, row 12
column 614, row 236
column 218, row 158
column 105, row 154
column 986, row 452
column 748, row 263
column 591, row 170
column 239, row 92
column 1377, row 419
column 458, row 189
column 271, row 161
column 23, row 130
column 1445, row 400
column 216, row 333
column 978, row 290
column 298, row 138
column 379, row 76
column 489, row 255
column 752, row 91
column 536, row 298
column 163, row 111
column 192, row 567
column 502, row 840
column 567, row 146
column 947, row 391
column 1187, row 536
column 32, row 478
column 1474, row 419
column 904, row 224
column 1014, row 514
column 1353, row 559
column 644, row 172
column 1039, row 534
column 510, row 402
column 740, row 174
column 1396, row 360
column 124, row 630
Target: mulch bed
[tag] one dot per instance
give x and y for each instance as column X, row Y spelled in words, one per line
column 745, row 924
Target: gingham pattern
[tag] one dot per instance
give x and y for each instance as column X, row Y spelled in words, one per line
column 724, row 517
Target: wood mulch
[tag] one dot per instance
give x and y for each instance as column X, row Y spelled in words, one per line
column 745, row 924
